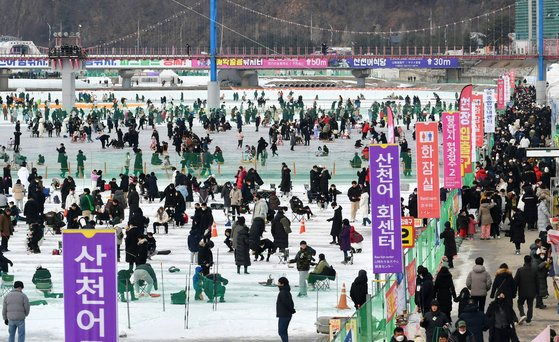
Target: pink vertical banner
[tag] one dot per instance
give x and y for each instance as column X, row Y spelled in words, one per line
column 451, row 151
column 500, row 94
column 477, row 113
column 466, row 142
column 428, row 190
column 390, row 125
column 512, row 76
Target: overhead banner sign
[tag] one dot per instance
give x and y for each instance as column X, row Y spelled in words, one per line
column 500, row 94
column 408, row 232
column 477, row 114
column 396, row 63
column 466, row 129
column 90, row 291
column 452, row 178
column 385, row 208
column 489, row 110
column 24, row 63
column 428, row 192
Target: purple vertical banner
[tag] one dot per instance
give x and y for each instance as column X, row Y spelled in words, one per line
column 384, row 168
column 90, row 291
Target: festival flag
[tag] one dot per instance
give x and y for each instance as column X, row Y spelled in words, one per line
column 477, row 113
column 428, row 193
column 386, row 226
column 390, row 124
column 452, row 178
column 466, row 129
column 500, row 94
column 489, row 110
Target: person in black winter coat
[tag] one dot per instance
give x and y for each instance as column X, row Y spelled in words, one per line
column 530, row 207
column 476, row 321
column 281, row 236
column 463, row 299
column 336, row 223
column 424, row 289
column 434, row 320
column 206, row 219
column 517, row 226
column 284, row 308
column 526, row 284
column 359, row 289
column 142, row 256
column 501, row 319
column 450, row 249
column 504, row 282
column 444, row 291
column 285, row 184
column 205, row 256
column 31, row 211
column 242, row 250
column 412, row 203
column 255, row 233
column 4, row 262
column 324, row 178
column 131, row 245
column 153, row 191
column 133, row 199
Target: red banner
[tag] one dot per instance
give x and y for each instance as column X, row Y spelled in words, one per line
column 411, row 274
column 512, row 76
column 466, row 129
column 477, row 113
column 500, row 94
column 391, row 301
column 428, row 193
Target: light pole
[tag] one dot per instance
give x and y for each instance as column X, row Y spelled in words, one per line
column 49, row 34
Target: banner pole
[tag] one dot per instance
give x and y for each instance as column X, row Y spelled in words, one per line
column 128, row 301
column 162, row 286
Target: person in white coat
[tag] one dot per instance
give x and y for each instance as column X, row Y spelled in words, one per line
column 543, row 215
column 260, row 208
column 364, row 208
column 72, row 198
column 23, row 176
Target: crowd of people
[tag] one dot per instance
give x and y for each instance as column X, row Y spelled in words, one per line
column 511, row 193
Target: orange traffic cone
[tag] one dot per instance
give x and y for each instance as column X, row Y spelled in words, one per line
column 302, row 229
column 342, row 304
column 214, row 230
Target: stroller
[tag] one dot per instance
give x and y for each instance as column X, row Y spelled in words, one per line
column 34, row 236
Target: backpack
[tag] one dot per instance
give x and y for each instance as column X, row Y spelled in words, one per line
column 329, row 271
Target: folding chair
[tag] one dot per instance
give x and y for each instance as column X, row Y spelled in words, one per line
column 283, row 256
column 7, row 283
column 298, row 215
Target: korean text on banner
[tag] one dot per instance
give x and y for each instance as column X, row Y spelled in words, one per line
column 408, row 232
column 489, row 110
column 411, row 274
column 500, row 94
column 391, row 301
column 466, row 129
column 451, row 152
column 428, row 189
column 477, row 113
column 90, row 292
column 512, row 77
column 385, row 208
column 506, row 86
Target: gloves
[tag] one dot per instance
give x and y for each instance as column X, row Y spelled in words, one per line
column 6, row 322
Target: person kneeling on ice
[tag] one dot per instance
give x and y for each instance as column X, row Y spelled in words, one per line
column 145, row 274
column 124, row 285
column 198, row 284
column 214, row 286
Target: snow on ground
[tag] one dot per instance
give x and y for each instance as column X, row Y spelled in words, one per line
column 249, row 313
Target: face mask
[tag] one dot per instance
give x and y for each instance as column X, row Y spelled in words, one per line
column 400, row 338
column 462, row 332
